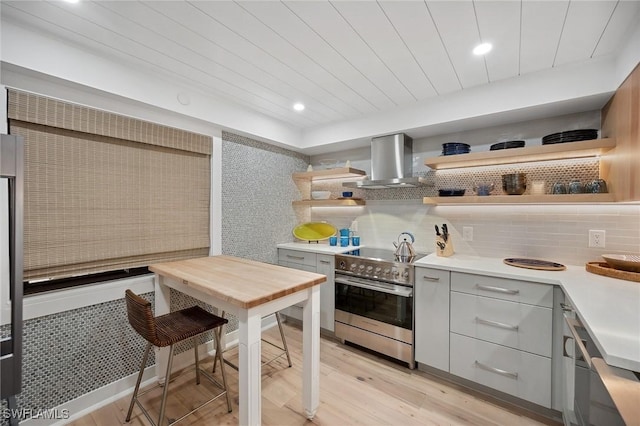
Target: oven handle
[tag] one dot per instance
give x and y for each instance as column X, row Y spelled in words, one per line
column 383, row 288
column 573, row 323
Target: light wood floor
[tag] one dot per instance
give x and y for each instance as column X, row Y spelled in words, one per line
column 356, row 388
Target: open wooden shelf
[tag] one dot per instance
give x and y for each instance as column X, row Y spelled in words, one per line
column 304, row 181
column 581, row 149
column 337, row 173
column 329, row 203
column 521, row 199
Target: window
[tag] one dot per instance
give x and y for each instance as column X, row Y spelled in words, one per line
column 105, row 192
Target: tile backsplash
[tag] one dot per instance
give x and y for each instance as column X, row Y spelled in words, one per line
column 553, row 232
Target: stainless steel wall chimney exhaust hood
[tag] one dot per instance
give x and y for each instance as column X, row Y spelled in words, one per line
column 391, row 164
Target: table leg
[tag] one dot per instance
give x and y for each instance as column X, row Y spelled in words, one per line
column 163, row 306
column 249, row 371
column 311, row 352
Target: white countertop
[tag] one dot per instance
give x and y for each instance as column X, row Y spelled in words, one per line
column 323, row 248
column 608, row 307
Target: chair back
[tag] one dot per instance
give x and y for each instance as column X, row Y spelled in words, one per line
column 141, row 317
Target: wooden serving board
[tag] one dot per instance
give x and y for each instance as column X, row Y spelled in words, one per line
column 543, row 265
column 603, row 268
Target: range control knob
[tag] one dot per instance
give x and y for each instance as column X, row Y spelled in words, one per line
column 394, row 273
column 353, row 266
column 343, row 264
column 378, row 269
column 361, row 267
column 369, row 268
column 406, row 275
column 386, row 271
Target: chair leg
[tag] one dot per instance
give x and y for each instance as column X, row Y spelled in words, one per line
column 218, row 336
column 167, row 378
column 195, row 352
column 284, row 340
column 224, row 375
column 137, row 388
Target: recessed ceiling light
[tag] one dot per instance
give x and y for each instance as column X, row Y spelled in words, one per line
column 481, row 49
column 298, row 106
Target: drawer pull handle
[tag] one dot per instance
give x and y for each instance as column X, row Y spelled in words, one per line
column 496, row 289
column 295, row 257
column 497, row 324
column 430, row 278
column 326, row 262
column 566, row 308
column 497, row 370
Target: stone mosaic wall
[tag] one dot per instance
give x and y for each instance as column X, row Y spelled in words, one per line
column 257, row 191
column 68, row 354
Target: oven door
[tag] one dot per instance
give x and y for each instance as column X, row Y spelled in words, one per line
column 376, row 300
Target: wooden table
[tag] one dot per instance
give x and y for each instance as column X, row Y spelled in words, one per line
column 249, row 290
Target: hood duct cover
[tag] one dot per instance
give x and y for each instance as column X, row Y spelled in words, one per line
column 391, row 164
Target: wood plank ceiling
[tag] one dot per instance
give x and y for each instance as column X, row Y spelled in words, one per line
column 342, row 59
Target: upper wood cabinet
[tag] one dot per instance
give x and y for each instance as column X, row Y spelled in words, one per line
column 621, row 120
column 304, row 181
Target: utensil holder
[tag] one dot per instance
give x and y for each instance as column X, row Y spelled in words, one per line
column 448, row 246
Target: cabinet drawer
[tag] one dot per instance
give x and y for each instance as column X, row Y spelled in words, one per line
column 514, row 372
column 297, row 257
column 503, row 288
column 431, row 276
column 516, row 325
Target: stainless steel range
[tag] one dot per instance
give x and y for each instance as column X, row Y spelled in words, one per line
column 374, row 301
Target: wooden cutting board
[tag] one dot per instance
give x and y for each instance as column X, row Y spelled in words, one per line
column 543, row 265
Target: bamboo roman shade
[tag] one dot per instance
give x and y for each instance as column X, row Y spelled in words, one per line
column 105, row 192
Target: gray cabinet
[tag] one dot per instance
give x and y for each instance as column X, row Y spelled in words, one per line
column 502, row 334
column 313, row 262
column 431, row 319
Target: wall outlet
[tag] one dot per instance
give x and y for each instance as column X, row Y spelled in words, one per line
column 467, row 233
column 597, row 238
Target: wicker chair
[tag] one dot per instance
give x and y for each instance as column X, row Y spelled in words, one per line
column 284, row 349
column 167, row 330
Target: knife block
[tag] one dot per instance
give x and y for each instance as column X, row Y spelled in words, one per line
column 448, row 247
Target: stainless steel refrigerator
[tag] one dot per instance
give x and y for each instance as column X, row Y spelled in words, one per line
column 11, row 219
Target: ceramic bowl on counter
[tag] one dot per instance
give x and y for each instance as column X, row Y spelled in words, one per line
column 314, row 231
column 320, row 195
column 624, row 262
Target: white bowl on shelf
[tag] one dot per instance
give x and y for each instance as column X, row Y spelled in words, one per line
column 320, row 195
column 329, row 163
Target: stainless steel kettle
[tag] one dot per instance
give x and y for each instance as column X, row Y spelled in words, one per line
column 404, row 250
